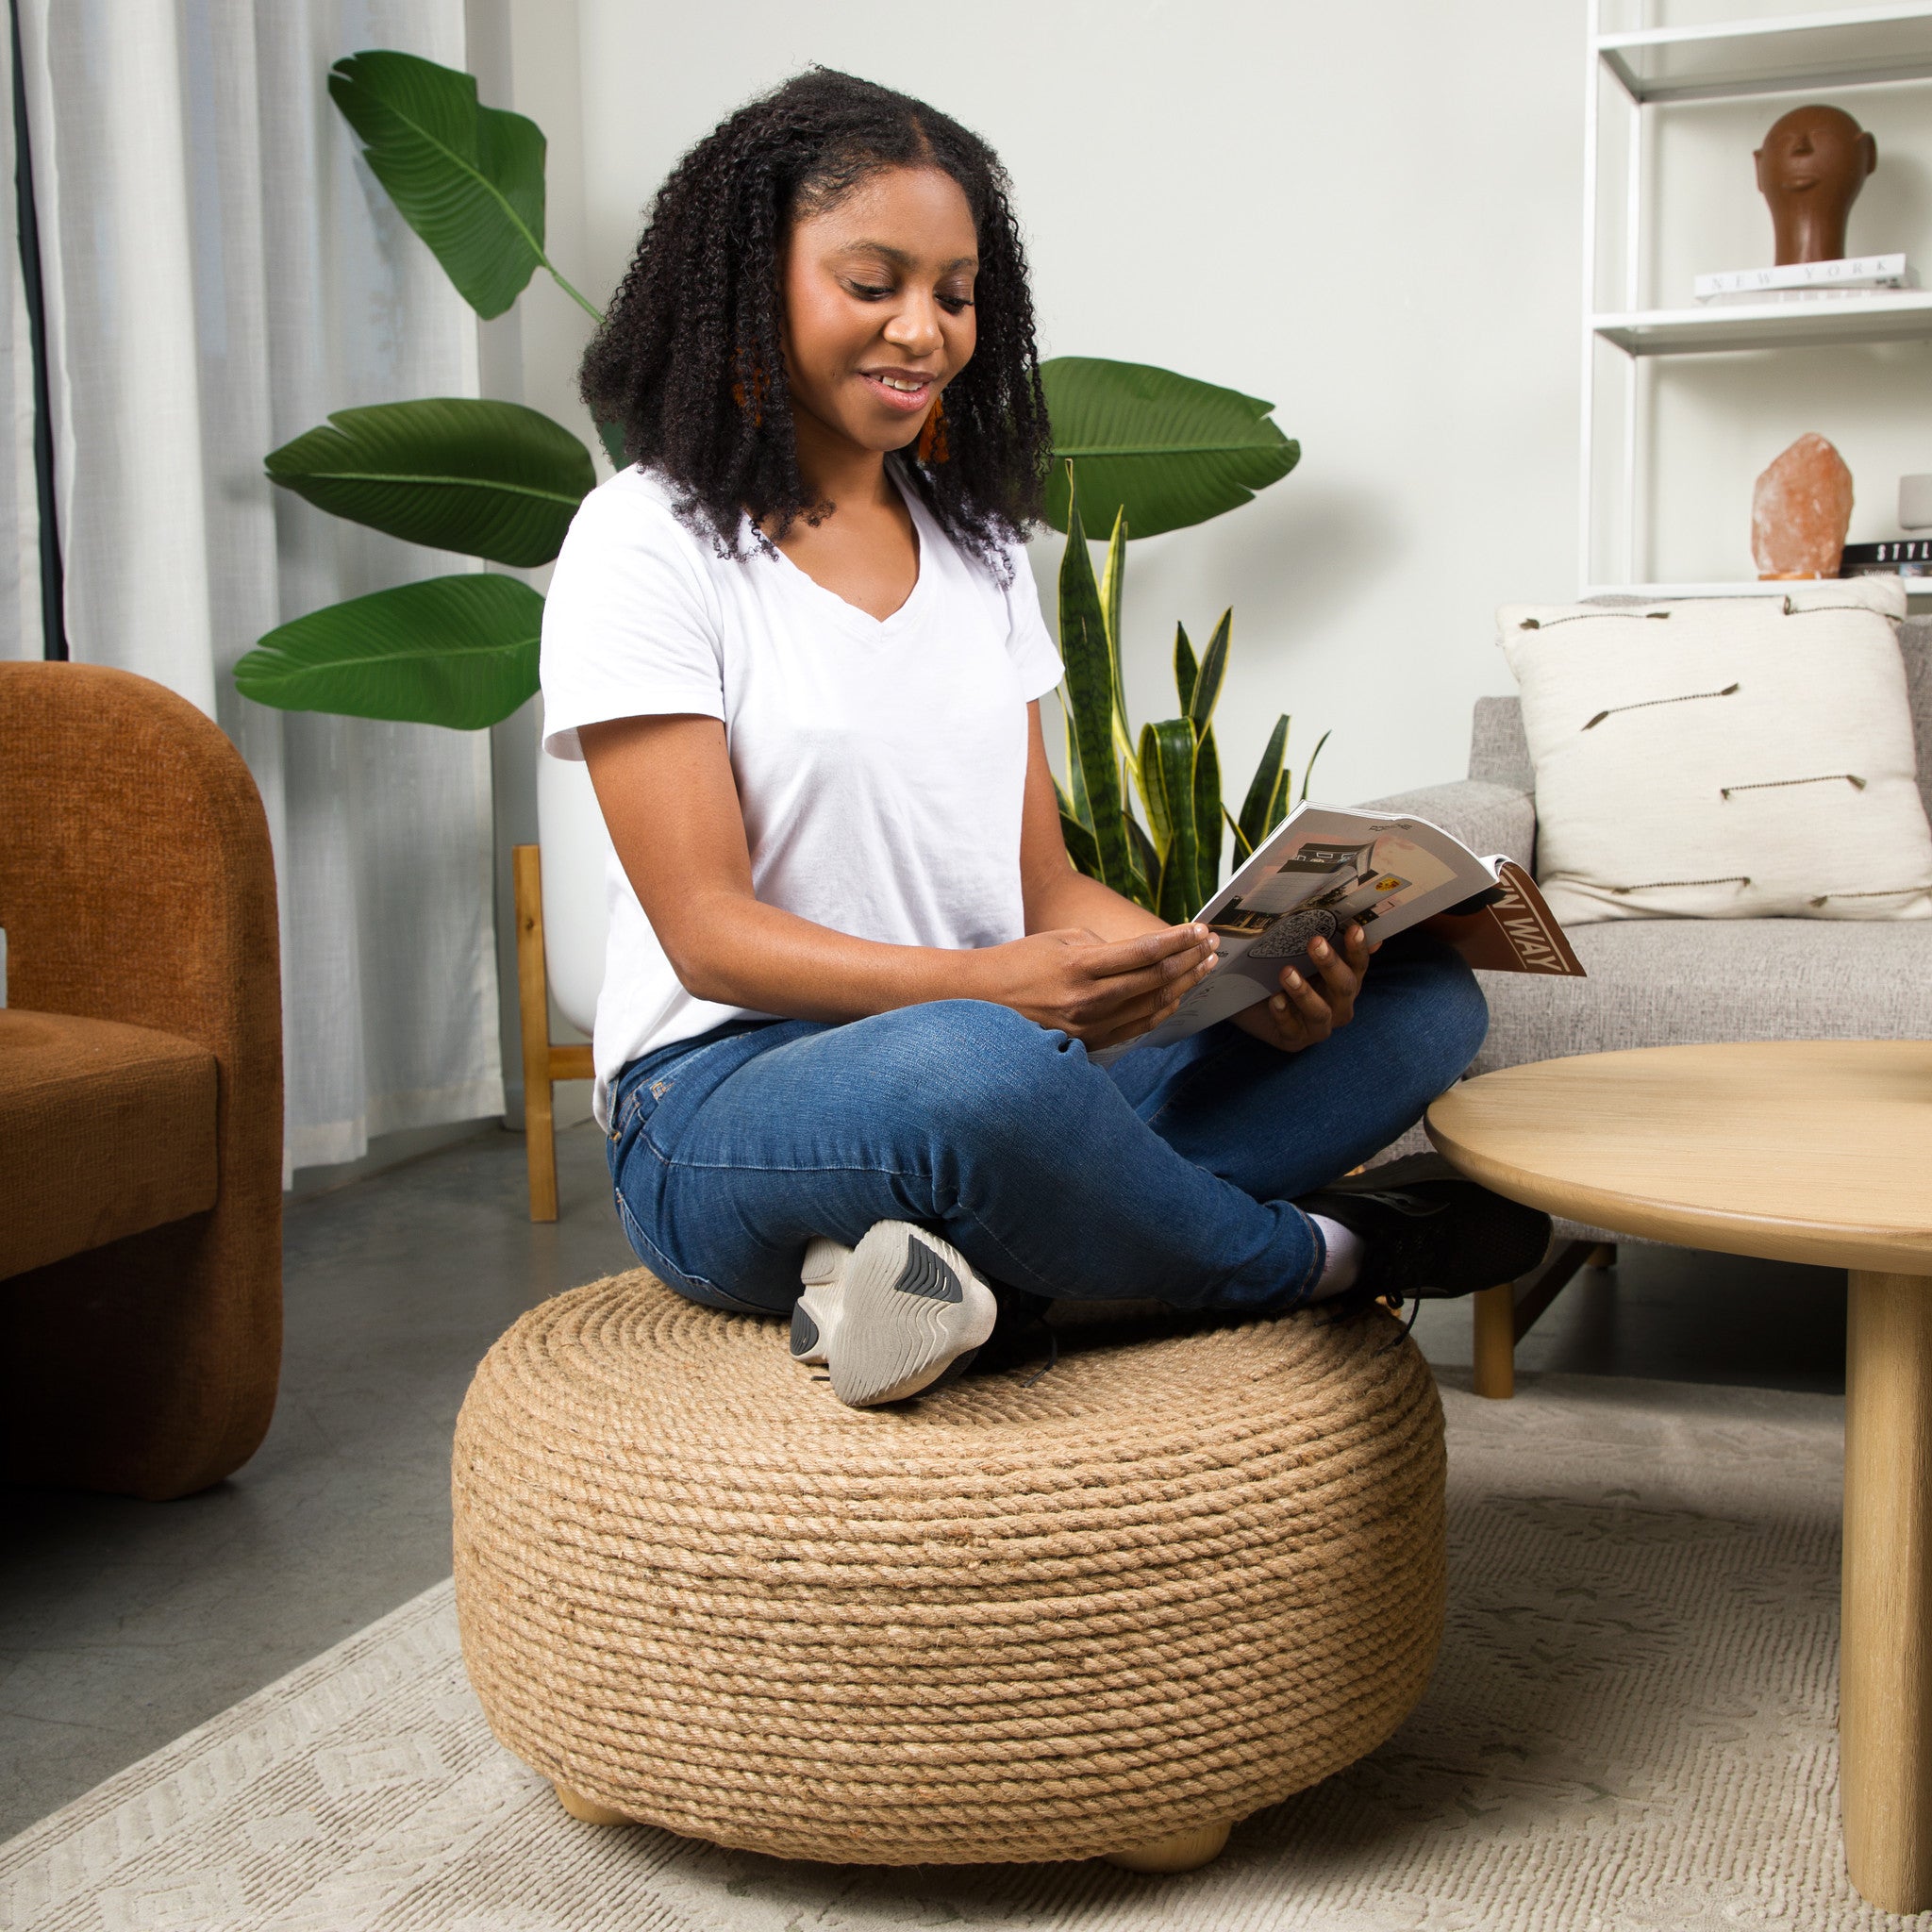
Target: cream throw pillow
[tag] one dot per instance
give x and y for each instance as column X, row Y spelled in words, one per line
column 1736, row 757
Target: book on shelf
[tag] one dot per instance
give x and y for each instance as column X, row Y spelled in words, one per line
column 1900, row 557
column 1810, row 281
column 1796, row 298
column 1324, row 869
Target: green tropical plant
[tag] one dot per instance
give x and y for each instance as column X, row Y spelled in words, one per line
column 457, row 473
column 1178, row 450
column 483, row 478
column 468, row 178
column 457, row 651
column 1145, row 448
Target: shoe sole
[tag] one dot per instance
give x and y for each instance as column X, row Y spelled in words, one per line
column 909, row 1308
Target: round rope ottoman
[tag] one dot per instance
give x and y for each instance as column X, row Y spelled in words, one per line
column 1179, row 1578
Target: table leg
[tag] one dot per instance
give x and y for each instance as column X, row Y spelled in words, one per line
column 1493, row 1310
column 1885, row 1671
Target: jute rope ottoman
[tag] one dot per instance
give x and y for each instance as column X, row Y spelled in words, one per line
column 1179, row 1578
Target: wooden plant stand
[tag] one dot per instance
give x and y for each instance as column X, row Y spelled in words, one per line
column 545, row 1061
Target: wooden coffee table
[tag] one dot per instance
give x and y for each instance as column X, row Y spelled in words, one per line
column 1816, row 1151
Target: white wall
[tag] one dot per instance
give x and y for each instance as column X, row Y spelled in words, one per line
column 1367, row 215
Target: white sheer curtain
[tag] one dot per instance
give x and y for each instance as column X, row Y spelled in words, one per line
column 220, row 272
column 20, row 521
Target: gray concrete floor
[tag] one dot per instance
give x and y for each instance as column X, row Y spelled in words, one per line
column 124, row 1623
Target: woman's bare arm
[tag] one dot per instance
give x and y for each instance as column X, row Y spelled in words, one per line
column 667, row 794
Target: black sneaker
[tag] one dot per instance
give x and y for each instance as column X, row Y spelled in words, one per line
column 1427, row 1233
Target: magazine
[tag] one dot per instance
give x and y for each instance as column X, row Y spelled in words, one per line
column 1324, row 868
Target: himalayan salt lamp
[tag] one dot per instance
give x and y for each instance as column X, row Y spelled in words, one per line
column 1800, row 511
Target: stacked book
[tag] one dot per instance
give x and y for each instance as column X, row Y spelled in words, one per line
column 1900, row 557
column 1810, row 281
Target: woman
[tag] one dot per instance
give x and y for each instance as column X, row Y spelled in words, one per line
column 852, row 978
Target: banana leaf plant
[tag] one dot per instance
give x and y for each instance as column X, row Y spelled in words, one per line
column 1143, row 447
column 486, row 479
column 1172, row 865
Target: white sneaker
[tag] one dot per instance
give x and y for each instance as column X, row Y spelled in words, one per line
column 891, row 1315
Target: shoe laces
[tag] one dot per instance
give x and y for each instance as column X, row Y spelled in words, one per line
column 1415, row 1308
column 1340, row 1310
column 1053, row 1349
column 1413, row 1204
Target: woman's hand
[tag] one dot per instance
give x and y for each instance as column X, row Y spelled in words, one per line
column 1303, row 1012
column 1099, row 992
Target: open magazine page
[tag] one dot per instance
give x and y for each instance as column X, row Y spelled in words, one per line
column 1324, row 868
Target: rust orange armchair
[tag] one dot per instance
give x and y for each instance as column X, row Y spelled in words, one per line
column 141, row 1090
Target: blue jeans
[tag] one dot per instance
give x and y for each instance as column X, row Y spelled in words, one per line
column 1168, row 1175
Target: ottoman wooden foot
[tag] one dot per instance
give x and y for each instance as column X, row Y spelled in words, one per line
column 1184, row 1851
column 584, row 1810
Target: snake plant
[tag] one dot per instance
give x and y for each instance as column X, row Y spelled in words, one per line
column 1172, row 865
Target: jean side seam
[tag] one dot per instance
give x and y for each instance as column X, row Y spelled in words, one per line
column 689, row 1166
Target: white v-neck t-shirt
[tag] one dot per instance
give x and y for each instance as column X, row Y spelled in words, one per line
column 880, row 765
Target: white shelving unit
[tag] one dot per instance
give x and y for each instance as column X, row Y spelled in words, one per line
column 1842, row 47
column 1634, row 72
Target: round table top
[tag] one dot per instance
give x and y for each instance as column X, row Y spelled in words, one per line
column 1801, row 1150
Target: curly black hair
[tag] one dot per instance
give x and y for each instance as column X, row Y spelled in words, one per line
column 690, row 362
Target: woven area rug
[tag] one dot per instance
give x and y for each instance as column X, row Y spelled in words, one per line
column 1631, row 1726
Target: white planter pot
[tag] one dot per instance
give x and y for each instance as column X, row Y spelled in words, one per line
column 575, row 847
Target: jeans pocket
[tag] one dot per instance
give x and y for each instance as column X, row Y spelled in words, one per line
column 668, row 1099
column 645, row 1082
column 628, row 1116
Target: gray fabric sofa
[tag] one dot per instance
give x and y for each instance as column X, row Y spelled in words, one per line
column 1659, row 982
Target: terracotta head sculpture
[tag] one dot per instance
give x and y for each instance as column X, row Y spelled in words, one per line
column 1810, row 168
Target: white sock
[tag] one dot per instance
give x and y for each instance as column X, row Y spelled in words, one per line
column 1344, row 1262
